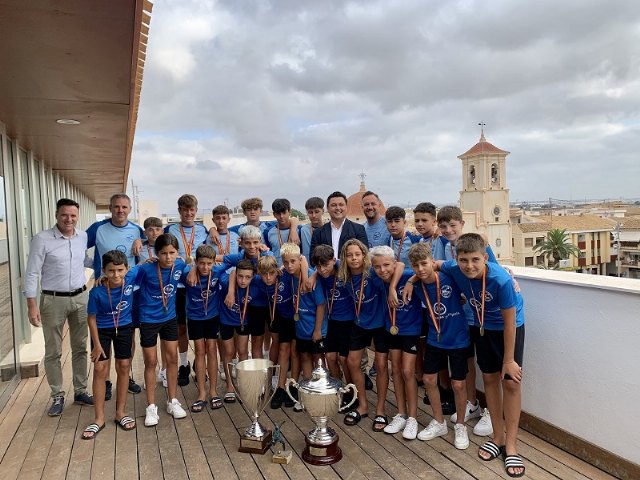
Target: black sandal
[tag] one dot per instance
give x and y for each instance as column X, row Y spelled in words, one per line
column 215, row 403
column 230, row 397
column 513, row 461
column 353, row 418
column 198, row 406
column 94, row 429
column 492, row 449
column 126, row 423
column 379, row 423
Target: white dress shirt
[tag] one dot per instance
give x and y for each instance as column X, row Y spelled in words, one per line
column 59, row 259
column 335, row 238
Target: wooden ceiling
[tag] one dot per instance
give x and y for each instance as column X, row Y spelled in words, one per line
column 80, row 60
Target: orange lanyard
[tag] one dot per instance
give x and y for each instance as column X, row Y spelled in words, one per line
column 165, row 297
column 280, row 241
column 223, row 251
column 484, row 294
column 272, row 305
column 404, row 234
column 392, row 314
column 188, row 246
column 296, row 300
column 432, row 313
column 116, row 318
column 149, row 252
column 243, row 313
column 206, row 297
column 332, row 296
column 358, row 305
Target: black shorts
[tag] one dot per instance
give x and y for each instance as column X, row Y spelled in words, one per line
column 121, row 343
column 207, row 329
column 181, row 305
column 227, row 331
column 285, row 328
column 406, row 343
column 490, row 348
column 257, row 319
column 361, row 338
column 338, row 336
column 424, row 333
column 309, row 346
column 135, row 309
column 436, row 359
column 149, row 332
column 471, row 349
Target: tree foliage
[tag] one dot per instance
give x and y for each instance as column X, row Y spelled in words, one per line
column 557, row 246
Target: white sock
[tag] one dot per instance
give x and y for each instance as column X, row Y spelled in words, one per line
column 183, row 359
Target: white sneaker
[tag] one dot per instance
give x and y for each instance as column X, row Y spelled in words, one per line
column 411, row 429
column 433, row 430
column 461, row 441
column 397, row 424
column 223, row 375
column 162, row 377
column 297, row 407
column 233, row 370
column 151, row 417
column 471, row 411
column 174, row 408
column 484, row 428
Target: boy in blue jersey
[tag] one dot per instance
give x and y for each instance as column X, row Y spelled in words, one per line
column 403, row 325
column 203, row 323
column 400, row 240
column 268, row 282
column 425, row 220
column 308, row 311
column 109, row 319
column 315, row 210
column 447, row 341
column 235, row 326
column 250, row 243
column 252, row 209
column 152, row 230
column 190, row 235
column 158, row 283
column 340, row 311
column 226, row 242
column 499, row 333
column 276, row 236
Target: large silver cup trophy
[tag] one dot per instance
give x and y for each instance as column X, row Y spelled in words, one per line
column 320, row 396
column 253, row 384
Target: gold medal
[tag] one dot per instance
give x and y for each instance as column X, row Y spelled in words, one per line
column 296, row 316
column 393, row 330
column 189, row 259
column 482, row 330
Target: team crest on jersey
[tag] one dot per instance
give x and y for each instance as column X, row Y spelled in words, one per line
column 280, row 286
column 439, row 308
column 336, row 293
column 475, row 303
column 205, row 294
column 446, row 291
column 488, row 297
column 177, row 274
column 168, row 289
column 339, row 283
column 128, row 290
column 377, row 235
column 401, row 304
column 129, row 238
column 121, row 248
column 122, row 306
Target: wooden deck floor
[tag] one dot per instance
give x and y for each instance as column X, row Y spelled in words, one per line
column 204, row 445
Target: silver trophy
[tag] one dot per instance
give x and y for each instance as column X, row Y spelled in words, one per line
column 254, row 387
column 321, row 396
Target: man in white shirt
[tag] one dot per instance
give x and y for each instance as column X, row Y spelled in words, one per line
column 57, row 256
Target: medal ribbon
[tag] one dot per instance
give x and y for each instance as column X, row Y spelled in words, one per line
column 206, row 299
column 358, row 305
column 165, row 299
column 243, row 313
column 392, row 314
column 296, row 302
column 432, row 313
column 116, row 318
column 484, row 294
column 188, row 247
column 227, row 250
column 332, row 296
column 404, row 234
column 149, row 251
column 272, row 305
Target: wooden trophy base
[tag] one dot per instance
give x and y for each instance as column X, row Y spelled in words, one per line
column 253, row 445
column 315, row 454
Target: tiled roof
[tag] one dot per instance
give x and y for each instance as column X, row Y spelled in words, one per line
column 571, row 223
column 630, row 223
column 482, row 147
column 534, row 227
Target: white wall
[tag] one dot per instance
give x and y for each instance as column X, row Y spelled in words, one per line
column 582, row 356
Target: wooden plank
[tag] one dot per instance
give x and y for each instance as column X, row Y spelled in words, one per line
column 15, row 411
column 147, row 6
column 12, row 400
column 126, row 447
column 170, row 451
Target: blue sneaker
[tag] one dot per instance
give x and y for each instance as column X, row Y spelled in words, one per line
column 83, row 399
column 57, row 406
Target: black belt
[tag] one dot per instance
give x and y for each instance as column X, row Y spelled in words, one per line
column 72, row 293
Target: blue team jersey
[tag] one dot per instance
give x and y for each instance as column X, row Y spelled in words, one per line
column 232, row 316
column 195, row 239
column 147, row 252
column 377, row 234
column 500, row 294
column 307, row 307
column 450, row 251
column 271, row 240
column 373, row 300
column 403, row 246
column 232, row 260
column 339, row 302
column 203, row 303
column 454, row 331
column 437, row 245
column 105, row 236
column 305, row 232
column 105, row 310
column 234, row 243
column 408, row 315
column 152, row 309
column 263, row 226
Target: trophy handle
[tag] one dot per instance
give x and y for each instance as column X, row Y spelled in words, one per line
column 353, row 388
column 290, row 381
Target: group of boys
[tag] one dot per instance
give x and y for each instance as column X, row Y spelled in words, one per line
column 255, row 281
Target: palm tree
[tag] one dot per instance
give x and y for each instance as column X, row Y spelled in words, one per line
column 557, row 246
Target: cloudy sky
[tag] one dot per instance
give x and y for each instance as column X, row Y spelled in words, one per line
column 295, row 98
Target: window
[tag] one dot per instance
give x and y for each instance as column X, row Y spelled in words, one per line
column 498, row 242
column 581, row 237
column 528, row 261
column 582, row 255
column 540, row 260
column 494, row 174
column 539, row 240
column 528, row 242
column 472, row 175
